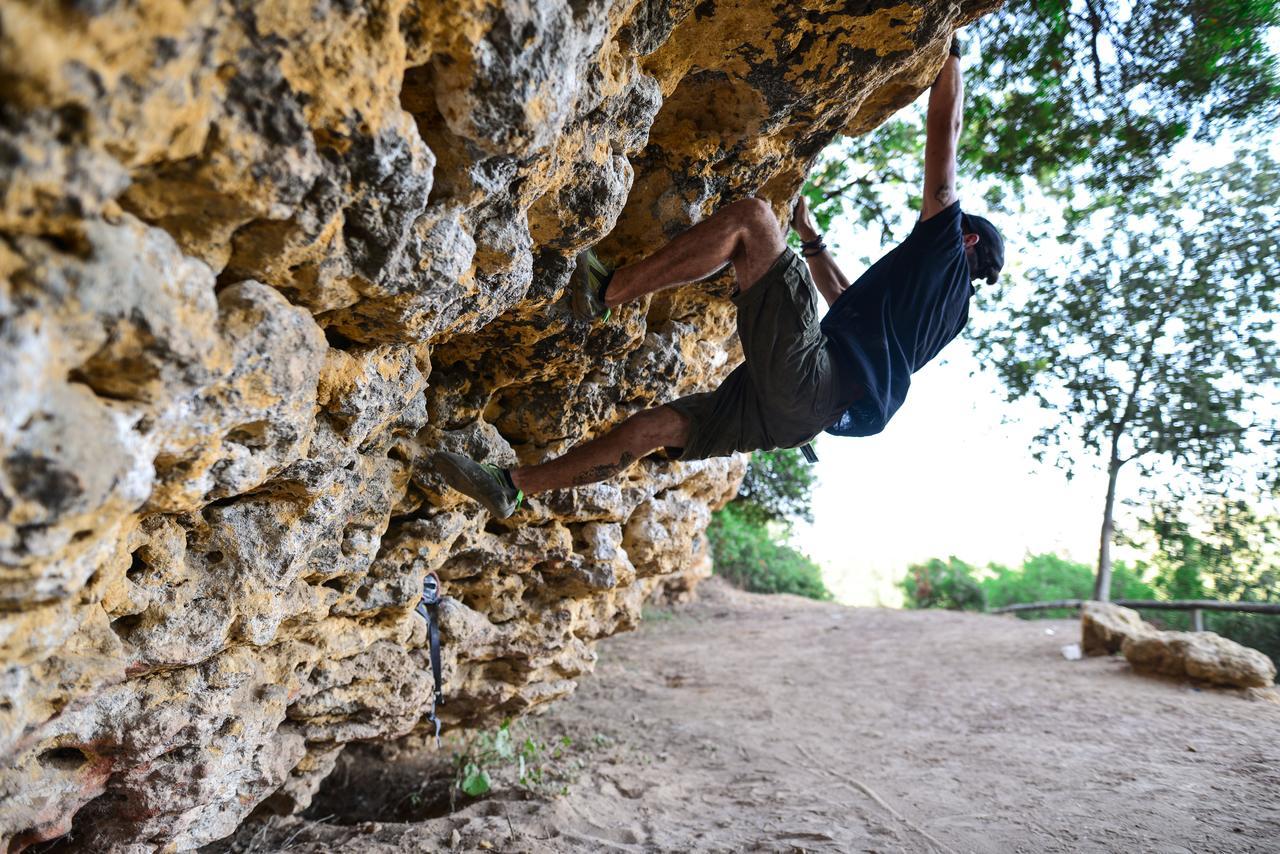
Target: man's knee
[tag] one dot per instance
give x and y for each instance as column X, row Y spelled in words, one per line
column 760, row 240
column 754, row 217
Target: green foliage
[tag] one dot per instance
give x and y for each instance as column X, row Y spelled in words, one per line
column 499, row 755
column 1096, row 96
column 1228, row 551
column 1042, row 578
column 946, row 584
column 1130, row 583
column 872, row 180
column 745, row 553
column 1066, row 99
column 1233, row 553
column 777, row 488
column 748, row 537
column 1047, row 577
column 957, row 585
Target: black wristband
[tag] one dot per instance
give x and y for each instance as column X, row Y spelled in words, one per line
column 954, row 49
column 811, row 244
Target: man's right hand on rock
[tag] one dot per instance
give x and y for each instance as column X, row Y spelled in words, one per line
column 802, row 220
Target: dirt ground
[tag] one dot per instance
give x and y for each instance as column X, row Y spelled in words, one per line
column 752, row 723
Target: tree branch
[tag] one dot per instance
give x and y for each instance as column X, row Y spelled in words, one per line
column 1095, row 25
column 864, row 181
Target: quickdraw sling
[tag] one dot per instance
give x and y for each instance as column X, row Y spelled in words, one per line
column 429, row 609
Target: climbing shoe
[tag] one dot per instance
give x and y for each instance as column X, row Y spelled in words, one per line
column 589, row 282
column 489, row 485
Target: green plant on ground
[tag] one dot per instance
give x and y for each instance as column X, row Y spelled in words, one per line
column 494, row 757
column 1048, row 577
column 655, row 614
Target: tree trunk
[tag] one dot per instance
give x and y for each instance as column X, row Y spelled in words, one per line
column 1102, row 584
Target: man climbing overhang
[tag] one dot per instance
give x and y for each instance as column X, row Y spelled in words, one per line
column 847, row 374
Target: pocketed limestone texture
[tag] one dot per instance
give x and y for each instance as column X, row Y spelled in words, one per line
column 257, row 260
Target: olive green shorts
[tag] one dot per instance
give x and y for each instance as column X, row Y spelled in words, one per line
column 789, row 387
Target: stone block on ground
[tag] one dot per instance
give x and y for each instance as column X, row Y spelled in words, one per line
column 1200, row 655
column 1104, row 627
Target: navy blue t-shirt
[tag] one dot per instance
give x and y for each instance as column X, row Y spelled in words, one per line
column 897, row 316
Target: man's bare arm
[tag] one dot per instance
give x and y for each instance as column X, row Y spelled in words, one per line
column 942, row 134
column 828, row 278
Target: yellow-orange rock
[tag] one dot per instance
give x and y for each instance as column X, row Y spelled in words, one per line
column 256, row 261
column 1104, row 627
column 1200, row 655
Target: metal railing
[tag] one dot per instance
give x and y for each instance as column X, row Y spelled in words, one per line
column 1197, row 607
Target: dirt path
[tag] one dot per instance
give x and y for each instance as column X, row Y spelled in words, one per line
column 776, row 724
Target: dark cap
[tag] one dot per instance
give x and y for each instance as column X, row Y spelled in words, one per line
column 990, row 247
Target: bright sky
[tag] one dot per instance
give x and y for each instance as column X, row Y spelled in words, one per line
column 946, row 478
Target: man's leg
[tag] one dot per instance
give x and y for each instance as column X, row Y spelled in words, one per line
column 605, row 456
column 744, row 233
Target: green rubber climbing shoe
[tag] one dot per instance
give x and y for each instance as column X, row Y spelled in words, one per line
column 589, row 282
column 480, row 481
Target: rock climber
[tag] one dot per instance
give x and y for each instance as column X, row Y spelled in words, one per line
column 846, row 374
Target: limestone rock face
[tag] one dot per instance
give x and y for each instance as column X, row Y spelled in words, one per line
column 1200, row 655
column 1104, row 627
column 257, row 260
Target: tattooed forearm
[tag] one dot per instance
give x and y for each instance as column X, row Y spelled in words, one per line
column 604, row 471
column 943, row 194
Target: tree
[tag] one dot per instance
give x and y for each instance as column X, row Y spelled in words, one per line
column 1228, row 550
column 1067, row 97
column 749, row 537
column 1096, row 94
column 872, row 179
column 1220, row 547
column 778, row 487
column 1154, row 339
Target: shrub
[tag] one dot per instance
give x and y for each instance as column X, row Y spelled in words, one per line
column 1046, row 577
column 778, row 487
column 943, row 584
column 744, row 552
column 1041, row 578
